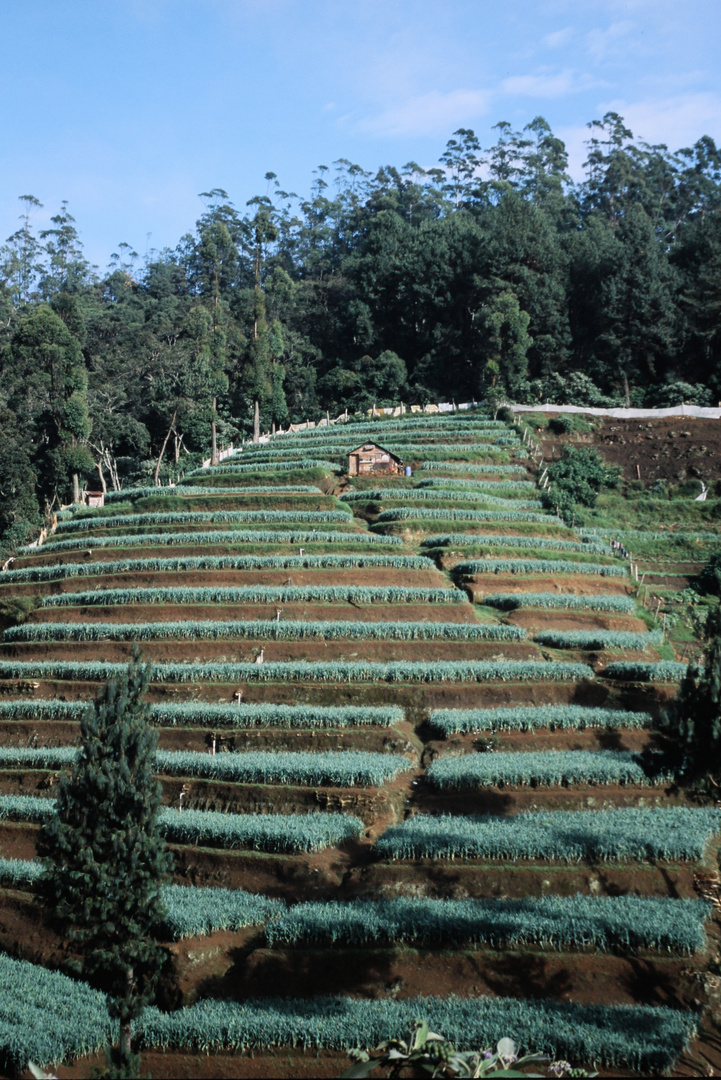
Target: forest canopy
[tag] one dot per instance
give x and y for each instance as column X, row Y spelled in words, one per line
column 491, row 275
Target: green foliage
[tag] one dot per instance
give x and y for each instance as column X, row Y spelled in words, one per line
column 194, row 912
column 641, row 1038
column 220, row 516
column 405, row 513
column 629, row 834
column 546, row 768
column 187, row 491
column 438, row 495
column 566, row 601
column 228, row 466
column 46, row 1017
column 342, row 768
column 105, row 857
column 213, row 714
column 295, row 671
column 579, row 476
column 14, row 610
column 597, row 639
column 447, row 722
column 708, row 581
column 216, row 562
column 492, row 540
column 454, row 466
column 288, row 630
column 693, row 720
column 538, row 566
column 478, row 485
column 221, row 536
column 258, row 594
column 617, row 923
column 640, row 671
column 264, row 832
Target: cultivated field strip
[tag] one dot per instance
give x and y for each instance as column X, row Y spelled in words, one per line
column 346, row 820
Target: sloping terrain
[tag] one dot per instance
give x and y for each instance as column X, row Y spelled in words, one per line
column 407, row 752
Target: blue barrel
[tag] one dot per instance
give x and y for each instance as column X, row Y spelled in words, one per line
column 408, row 471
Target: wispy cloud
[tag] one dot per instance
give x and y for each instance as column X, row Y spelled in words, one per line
column 558, row 38
column 546, row 84
column 601, row 44
column 427, row 114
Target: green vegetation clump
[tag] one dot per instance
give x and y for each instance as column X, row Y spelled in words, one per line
column 547, row 768
column 490, row 540
column 257, row 594
column 534, row 717
column 667, row 833
column 640, row 671
column 538, row 566
column 565, row 601
column 597, row 639
column 220, row 536
column 404, row 513
column 185, row 518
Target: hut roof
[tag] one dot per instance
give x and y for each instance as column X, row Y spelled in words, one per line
column 377, row 446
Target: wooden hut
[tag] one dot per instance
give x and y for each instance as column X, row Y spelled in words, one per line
column 370, row 458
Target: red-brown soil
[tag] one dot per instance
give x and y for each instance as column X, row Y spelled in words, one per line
column 577, row 584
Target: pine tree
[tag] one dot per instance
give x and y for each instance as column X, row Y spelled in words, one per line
column 693, row 721
column 105, row 859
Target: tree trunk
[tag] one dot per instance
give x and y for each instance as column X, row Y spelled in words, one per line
column 256, row 420
column 626, row 391
column 213, row 438
column 162, row 449
column 99, row 466
column 76, row 488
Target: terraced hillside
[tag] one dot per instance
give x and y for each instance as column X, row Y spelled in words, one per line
column 407, row 751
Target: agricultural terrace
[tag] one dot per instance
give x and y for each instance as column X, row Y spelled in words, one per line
column 408, row 748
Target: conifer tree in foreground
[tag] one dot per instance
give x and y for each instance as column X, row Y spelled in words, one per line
column 693, row 720
column 106, row 861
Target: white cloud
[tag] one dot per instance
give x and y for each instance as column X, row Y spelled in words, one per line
column 677, row 122
column 602, row 43
column 558, row 38
column 545, row 84
column 427, row 114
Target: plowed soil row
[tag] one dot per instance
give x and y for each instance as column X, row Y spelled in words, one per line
column 374, row 612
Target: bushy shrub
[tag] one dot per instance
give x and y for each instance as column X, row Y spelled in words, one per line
column 648, row 833
column 544, row 767
column 192, row 630
column 447, row 722
column 258, row 594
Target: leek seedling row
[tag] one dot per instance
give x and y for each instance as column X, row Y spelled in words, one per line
column 538, row 566
column 220, row 536
column 181, row 517
column 638, row 671
column 188, row 491
column 405, row 513
column 472, row 467
column 257, row 594
column 564, row 601
column 598, row 639
column 298, row 671
column 192, row 630
column 532, row 718
column 229, row 466
column 547, row 768
column 212, row 714
column 489, row 540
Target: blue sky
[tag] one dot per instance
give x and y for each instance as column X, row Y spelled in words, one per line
column 129, row 108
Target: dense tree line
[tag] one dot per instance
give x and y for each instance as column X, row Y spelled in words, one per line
column 490, row 275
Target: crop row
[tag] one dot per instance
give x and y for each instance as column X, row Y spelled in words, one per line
column 472, row 467
column 477, row 485
column 539, row 566
column 262, row 832
column 405, row 513
column 194, row 630
column 628, row 834
column 488, row 540
column 644, row 534
column 567, row 601
column 337, row 768
column 213, row 714
column 220, row 536
column 217, row 562
column 438, row 495
column 188, row 491
column 298, row 671
column 638, row 671
column 46, row 1017
column 185, row 517
column 547, row 768
column 558, row 922
column 606, row 923
column 598, row 639
column 532, row 717
column 258, row 594
column 230, row 467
